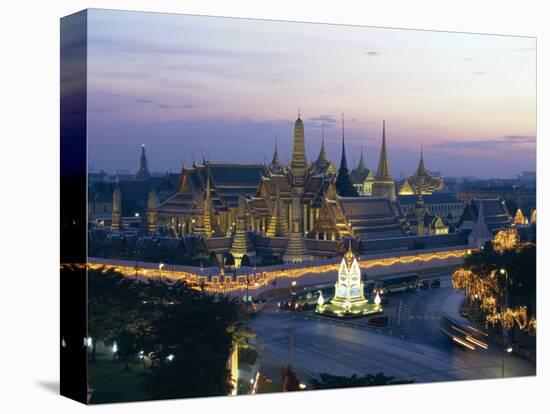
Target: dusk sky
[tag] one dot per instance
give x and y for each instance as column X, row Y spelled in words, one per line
column 188, row 86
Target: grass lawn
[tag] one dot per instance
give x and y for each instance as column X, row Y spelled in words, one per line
column 266, row 387
column 111, row 383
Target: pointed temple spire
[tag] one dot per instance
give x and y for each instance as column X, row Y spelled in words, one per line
column 343, row 183
column 278, row 226
column 276, row 162
column 383, row 185
column 383, row 172
column 361, row 166
column 275, row 165
column 143, row 171
column 203, row 212
column 241, row 246
column 296, row 247
column 480, row 233
column 116, row 216
column 343, row 161
column 298, row 164
column 322, row 159
column 421, row 170
column 152, row 216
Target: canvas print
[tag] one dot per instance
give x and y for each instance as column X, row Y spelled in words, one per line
column 277, row 206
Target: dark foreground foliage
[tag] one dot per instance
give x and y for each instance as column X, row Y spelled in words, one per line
column 328, row 381
column 187, row 334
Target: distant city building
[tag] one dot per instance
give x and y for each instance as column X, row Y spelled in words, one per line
column 524, row 198
column 527, row 176
column 441, row 203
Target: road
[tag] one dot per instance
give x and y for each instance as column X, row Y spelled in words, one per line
column 413, row 348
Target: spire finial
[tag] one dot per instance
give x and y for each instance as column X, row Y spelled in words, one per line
column 342, row 127
column 383, row 172
column 299, row 113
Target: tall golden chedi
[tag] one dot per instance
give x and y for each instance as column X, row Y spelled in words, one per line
column 152, row 218
column 298, row 164
column 241, row 245
column 278, row 226
column 383, row 185
column 296, row 247
column 203, row 213
column 116, row 215
column 349, row 299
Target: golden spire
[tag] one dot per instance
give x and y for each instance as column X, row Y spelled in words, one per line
column 299, row 161
column 361, row 166
column 421, row 170
column 276, row 162
column 383, row 172
column 349, row 255
column 322, row 159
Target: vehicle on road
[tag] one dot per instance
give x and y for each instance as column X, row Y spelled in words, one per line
column 396, row 284
column 463, row 333
column 424, row 284
column 436, row 283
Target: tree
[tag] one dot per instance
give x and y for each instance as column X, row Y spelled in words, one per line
column 290, row 380
column 194, row 340
column 327, row 381
column 112, row 304
column 189, row 332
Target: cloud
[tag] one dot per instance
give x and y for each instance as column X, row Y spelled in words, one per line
column 163, row 105
column 372, row 53
column 326, row 119
column 506, row 143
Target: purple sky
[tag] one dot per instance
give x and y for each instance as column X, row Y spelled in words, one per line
column 186, row 86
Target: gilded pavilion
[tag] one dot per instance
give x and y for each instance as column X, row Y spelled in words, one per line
column 421, row 181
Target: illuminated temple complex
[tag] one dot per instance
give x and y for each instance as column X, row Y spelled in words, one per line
column 298, row 199
column 295, row 212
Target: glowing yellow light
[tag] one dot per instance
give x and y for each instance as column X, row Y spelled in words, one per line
column 477, row 342
column 463, row 343
column 321, row 300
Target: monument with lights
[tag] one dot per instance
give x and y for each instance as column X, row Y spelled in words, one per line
column 349, row 299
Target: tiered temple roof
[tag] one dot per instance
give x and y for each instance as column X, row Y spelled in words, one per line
column 365, row 217
column 496, row 215
column 421, row 181
column 227, row 182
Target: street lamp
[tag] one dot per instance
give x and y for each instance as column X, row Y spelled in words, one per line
column 161, row 265
column 291, row 317
column 508, row 348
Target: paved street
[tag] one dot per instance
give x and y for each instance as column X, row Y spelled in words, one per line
column 412, row 348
